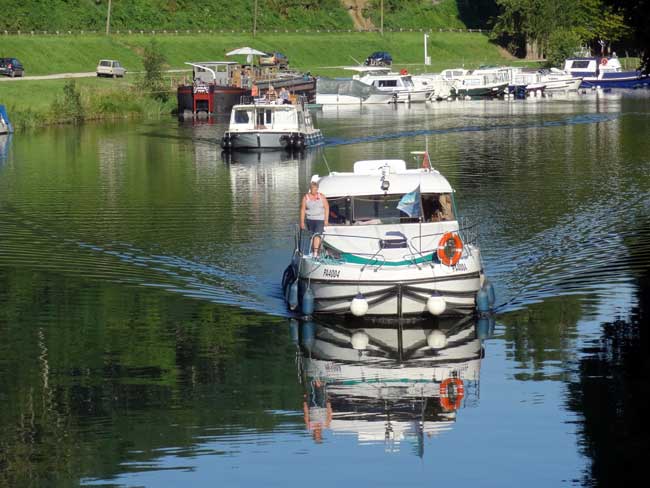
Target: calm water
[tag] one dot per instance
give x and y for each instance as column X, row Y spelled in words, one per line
column 144, row 340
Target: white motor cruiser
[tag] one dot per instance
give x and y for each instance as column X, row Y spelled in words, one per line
column 399, row 85
column 393, row 247
column 261, row 124
column 558, row 80
column 349, row 92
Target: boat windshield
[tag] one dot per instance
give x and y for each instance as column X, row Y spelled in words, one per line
column 383, row 209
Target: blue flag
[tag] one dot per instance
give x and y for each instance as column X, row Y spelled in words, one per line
column 410, row 203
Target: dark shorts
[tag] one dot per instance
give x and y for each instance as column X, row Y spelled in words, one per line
column 315, row 226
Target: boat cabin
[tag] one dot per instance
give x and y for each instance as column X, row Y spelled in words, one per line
column 373, row 194
column 263, row 116
column 382, row 78
column 592, row 66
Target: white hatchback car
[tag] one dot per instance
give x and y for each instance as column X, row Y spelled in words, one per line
column 110, row 67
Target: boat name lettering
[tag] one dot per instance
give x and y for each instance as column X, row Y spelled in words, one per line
column 331, row 273
column 460, row 267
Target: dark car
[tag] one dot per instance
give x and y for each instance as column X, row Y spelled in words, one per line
column 11, row 67
column 379, row 58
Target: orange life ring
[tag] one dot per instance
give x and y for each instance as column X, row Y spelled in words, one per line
column 443, row 248
column 603, row 61
column 403, row 71
column 451, row 400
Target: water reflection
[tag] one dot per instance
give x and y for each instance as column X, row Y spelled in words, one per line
column 5, row 141
column 388, row 383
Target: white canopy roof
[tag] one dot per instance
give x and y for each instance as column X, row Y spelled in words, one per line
column 367, row 179
column 245, row 51
column 364, row 69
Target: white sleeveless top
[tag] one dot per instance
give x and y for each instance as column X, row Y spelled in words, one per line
column 314, row 209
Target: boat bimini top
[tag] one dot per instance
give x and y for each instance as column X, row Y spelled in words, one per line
column 382, row 177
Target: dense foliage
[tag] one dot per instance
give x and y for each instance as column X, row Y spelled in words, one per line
column 541, row 28
column 473, row 14
column 65, row 15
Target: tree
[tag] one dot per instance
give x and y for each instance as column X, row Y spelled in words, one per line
column 152, row 81
column 533, row 23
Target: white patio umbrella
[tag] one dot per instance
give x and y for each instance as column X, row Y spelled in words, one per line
column 249, row 52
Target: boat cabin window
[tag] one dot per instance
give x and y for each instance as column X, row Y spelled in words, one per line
column 385, row 83
column 382, row 209
column 242, row 116
column 580, row 65
column 264, row 118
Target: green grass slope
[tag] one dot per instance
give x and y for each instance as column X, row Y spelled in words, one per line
column 63, row 15
column 309, row 52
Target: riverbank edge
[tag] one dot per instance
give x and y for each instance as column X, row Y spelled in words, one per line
column 321, row 54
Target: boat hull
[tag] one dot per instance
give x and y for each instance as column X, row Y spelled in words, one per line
column 271, row 140
column 616, row 82
column 488, row 91
column 394, row 291
column 333, row 99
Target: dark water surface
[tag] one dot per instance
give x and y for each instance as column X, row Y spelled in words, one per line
column 144, row 340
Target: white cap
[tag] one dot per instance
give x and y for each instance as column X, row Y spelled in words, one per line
column 315, row 179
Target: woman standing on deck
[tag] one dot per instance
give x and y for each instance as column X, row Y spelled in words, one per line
column 314, row 213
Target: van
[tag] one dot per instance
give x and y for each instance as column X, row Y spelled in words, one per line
column 110, row 67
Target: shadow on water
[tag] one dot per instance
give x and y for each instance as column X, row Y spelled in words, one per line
column 611, row 393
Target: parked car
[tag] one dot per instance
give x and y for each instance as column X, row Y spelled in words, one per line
column 110, row 67
column 11, row 67
column 275, row 59
column 379, row 58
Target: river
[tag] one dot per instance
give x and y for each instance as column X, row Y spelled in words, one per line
column 144, row 340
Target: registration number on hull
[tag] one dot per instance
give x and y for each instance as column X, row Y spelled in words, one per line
column 331, row 273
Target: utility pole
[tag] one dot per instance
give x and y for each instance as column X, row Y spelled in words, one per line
column 108, row 18
column 382, row 18
column 255, row 19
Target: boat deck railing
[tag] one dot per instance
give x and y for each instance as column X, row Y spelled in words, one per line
column 304, row 243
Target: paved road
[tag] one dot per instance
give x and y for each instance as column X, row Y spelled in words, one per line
column 59, row 76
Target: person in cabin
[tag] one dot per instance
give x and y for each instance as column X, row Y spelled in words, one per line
column 314, row 214
column 284, row 95
column 255, row 91
column 271, row 95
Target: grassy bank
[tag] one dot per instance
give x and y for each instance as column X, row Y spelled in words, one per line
column 58, row 54
column 33, row 104
column 30, row 102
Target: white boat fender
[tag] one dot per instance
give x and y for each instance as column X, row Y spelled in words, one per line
column 359, row 305
column 436, row 304
column 308, row 302
column 293, row 295
column 359, row 340
column 437, row 339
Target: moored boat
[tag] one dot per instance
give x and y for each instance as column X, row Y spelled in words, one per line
column 468, row 84
column 260, row 124
column 349, row 92
column 604, row 73
column 393, row 247
column 399, row 85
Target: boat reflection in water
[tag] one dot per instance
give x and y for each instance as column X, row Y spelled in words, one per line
column 388, row 384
